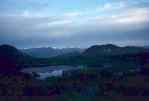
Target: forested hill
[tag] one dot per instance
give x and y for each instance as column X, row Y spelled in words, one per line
column 12, row 59
column 109, row 49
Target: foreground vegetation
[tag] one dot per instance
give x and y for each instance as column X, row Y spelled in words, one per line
column 77, row 85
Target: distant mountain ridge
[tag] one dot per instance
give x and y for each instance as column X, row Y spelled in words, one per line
column 50, row 52
column 95, row 50
column 147, row 47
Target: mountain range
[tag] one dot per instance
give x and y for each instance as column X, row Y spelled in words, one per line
column 97, row 55
column 48, row 52
column 96, row 50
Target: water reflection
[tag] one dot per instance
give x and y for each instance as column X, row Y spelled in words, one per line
column 44, row 72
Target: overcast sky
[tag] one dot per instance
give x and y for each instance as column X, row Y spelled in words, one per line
column 73, row 23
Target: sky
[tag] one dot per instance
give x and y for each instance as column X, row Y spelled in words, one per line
column 74, row 23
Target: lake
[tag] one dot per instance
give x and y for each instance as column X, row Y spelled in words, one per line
column 49, row 71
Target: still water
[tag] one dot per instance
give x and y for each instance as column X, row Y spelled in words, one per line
column 49, row 71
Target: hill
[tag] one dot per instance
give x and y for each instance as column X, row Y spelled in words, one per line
column 109, row 50
column 11, row 59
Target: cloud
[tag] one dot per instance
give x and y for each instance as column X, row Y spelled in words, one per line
column 136, row 16
column 29, row 28
column 73, row 14
column 112, row 6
